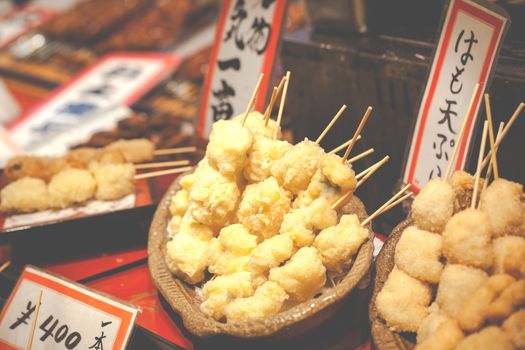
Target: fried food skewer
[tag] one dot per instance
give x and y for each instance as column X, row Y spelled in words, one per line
column 253, row 98
column 281, row 105
column 358, row 132
column 332, row 122
column 489, row 171
column 384, row 207
column 177, row 150
column 478, row 170
column 360, row 156
column 494, row 160
column 273, row 99
column 344, row 145
column 161, row 164
column 162, row 172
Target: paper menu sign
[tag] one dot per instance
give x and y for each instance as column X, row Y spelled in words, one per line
column 21, row 21
column 70, row 316
column 465, row 55
column 8, row 147
column 246, row 42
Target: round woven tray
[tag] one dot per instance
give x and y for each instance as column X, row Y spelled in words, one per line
column 296, row 320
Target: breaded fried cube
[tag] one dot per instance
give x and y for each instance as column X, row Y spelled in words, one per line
column 433, row 206
column 263, row 154
column 403, row 301
column 438, row 331
column 180, row 202
column 187, row 257
column 227, row 151
column 301, row 277
column 509, row 255
column 502, row 203
column 266, row 301
column 473, row 312
column 514, row 327
column 338, row 244
column 510, row 299
column 489, row 338
column 418, row 252
column 237, row 239
column 71, row 186
column 25, row 195
column 467, row 239
column 262, row 208
column 114, row 181
column 463, row 184
column 269, row 254
column 257, row 125
column 134, row 151
column 456, row 286
column 297, row 167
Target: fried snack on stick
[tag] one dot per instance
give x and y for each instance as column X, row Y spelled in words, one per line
column 25, row 195
column 114, row 181
column 179, row 203
column 438, row 331
column 263, row 154
column 514, row 327
column 510, row 298
column 71, row 186
column 488, row 338
column 134, row 151
column 187, row 256
column 467, row 239
column 36, row 167
column 82, row 157
column 433, row 206
column 418, row 252
column 463, row 185
column 269, row 254
column 509, row 255
column 256, row 123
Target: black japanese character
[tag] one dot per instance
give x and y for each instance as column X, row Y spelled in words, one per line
column 30, row 308
column 441, row 152
column 101, row 90
column 447, row 113
column 129, row 72
column 455, row 79
column 438, row 172
column 465, row 57
column 267, row 3
column 260, row 35
column 98, row 345
column 238, row 16
column 233, row 63
column 223, row 109
column 77, row 109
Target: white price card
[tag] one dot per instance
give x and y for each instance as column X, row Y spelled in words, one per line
column 246, row 41
column 21, row 21
column 467, row 49
column 70, row 316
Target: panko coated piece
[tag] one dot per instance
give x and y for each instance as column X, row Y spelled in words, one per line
column 213, row 197
column 338, row 244
column 82, row 157
column 70, row 187
column 25, row 195
column 134, row 151
column 501, row 201
column 473, row 312
column 456, row 286
column 36, row 167
column 510, row 299
column 301, row 277
column 269, row 254
column 266, row 301
column 263, row 154
column 262, row 208
column 467, row 239
column 514, row 327
column 180, row 202
column 187, row 257
column 438, row 331
column 257, row 125
column 403, row 301
column 227, row 151
column 418, row 253
column 509, row 255
column 433, row 206
column 114, row 181
column 296, row 168
column 488, row 338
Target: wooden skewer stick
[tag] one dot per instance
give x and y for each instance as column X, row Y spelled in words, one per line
column 489, row 171
column 281, row 105
column 478, row 170
column 162, row 172
column 5, row 265
column 408, row 195
column 329, row 126
column 344, row 145
column 384, row 206
column 360, row 156
column 491, row 137
column 178, row 150
column 364, row 172
column 461, row 132
column 253, row 98
column 358, row 132
column 33, row 324
column 161, row 164
column 269, row 109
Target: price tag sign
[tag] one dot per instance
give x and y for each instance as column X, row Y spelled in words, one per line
column 21, row 21
column 245, row 45
column 467, row 49
column 70, row 316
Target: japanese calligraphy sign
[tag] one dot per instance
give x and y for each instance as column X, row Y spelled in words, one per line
column 465, row 54
column 246, row 41
column 70, row 316
column 21, row 21
column 117, row 79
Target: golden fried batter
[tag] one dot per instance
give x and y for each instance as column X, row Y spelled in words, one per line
column 266, row 301
column 509, row 255
column 70, row 187
column 134, row 151
column 433, row 206
column 25, row 195
column 488, row 338
column 263, row 154
column 438, row 331
column 514, row 327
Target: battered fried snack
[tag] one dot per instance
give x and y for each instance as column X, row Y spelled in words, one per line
column 269, row 254
column 263, row 154
column 194, row 228
column 237, row 239
column 70, row 187
column 25, row 195
column 433, row 206
column 257, row 125
column 488, row 338
column 509, row 255
column 301, row 277
column 337, row 244
column 403, row 301
column 36, row 167
column 114, row 181
column 82, row 157
column 501, row 201
column 266, row 301
column 467, row 239
column 510, row 298
column 262, row 208
column 418, row 252
column 186, row 182
column 463, row 184
column 134, row 151
column 438, row 331
column 187, row 256
column 297, row 167
column 456, row 286
column 180, row 202
column 513, row 328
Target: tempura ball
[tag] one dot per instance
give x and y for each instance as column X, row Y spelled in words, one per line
column 114, row 181
column 180, row 202
column 438, row 331
column 514, row 327
column 28, row 166
column 186, row 181
column 237, row 239
column 509, row 255
column 509, row 299
column 269, row 254
column 463, row 184
column 81, row 157
column 467, row 239
column 25, row 195
column 301, row 277
column 263, row 154
column 134, row 151
column 194, row 228
column 187, row 257
column 433, row 206
column 488, row 338
column 403, row 301
column 71, row 186
column 257, row 125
